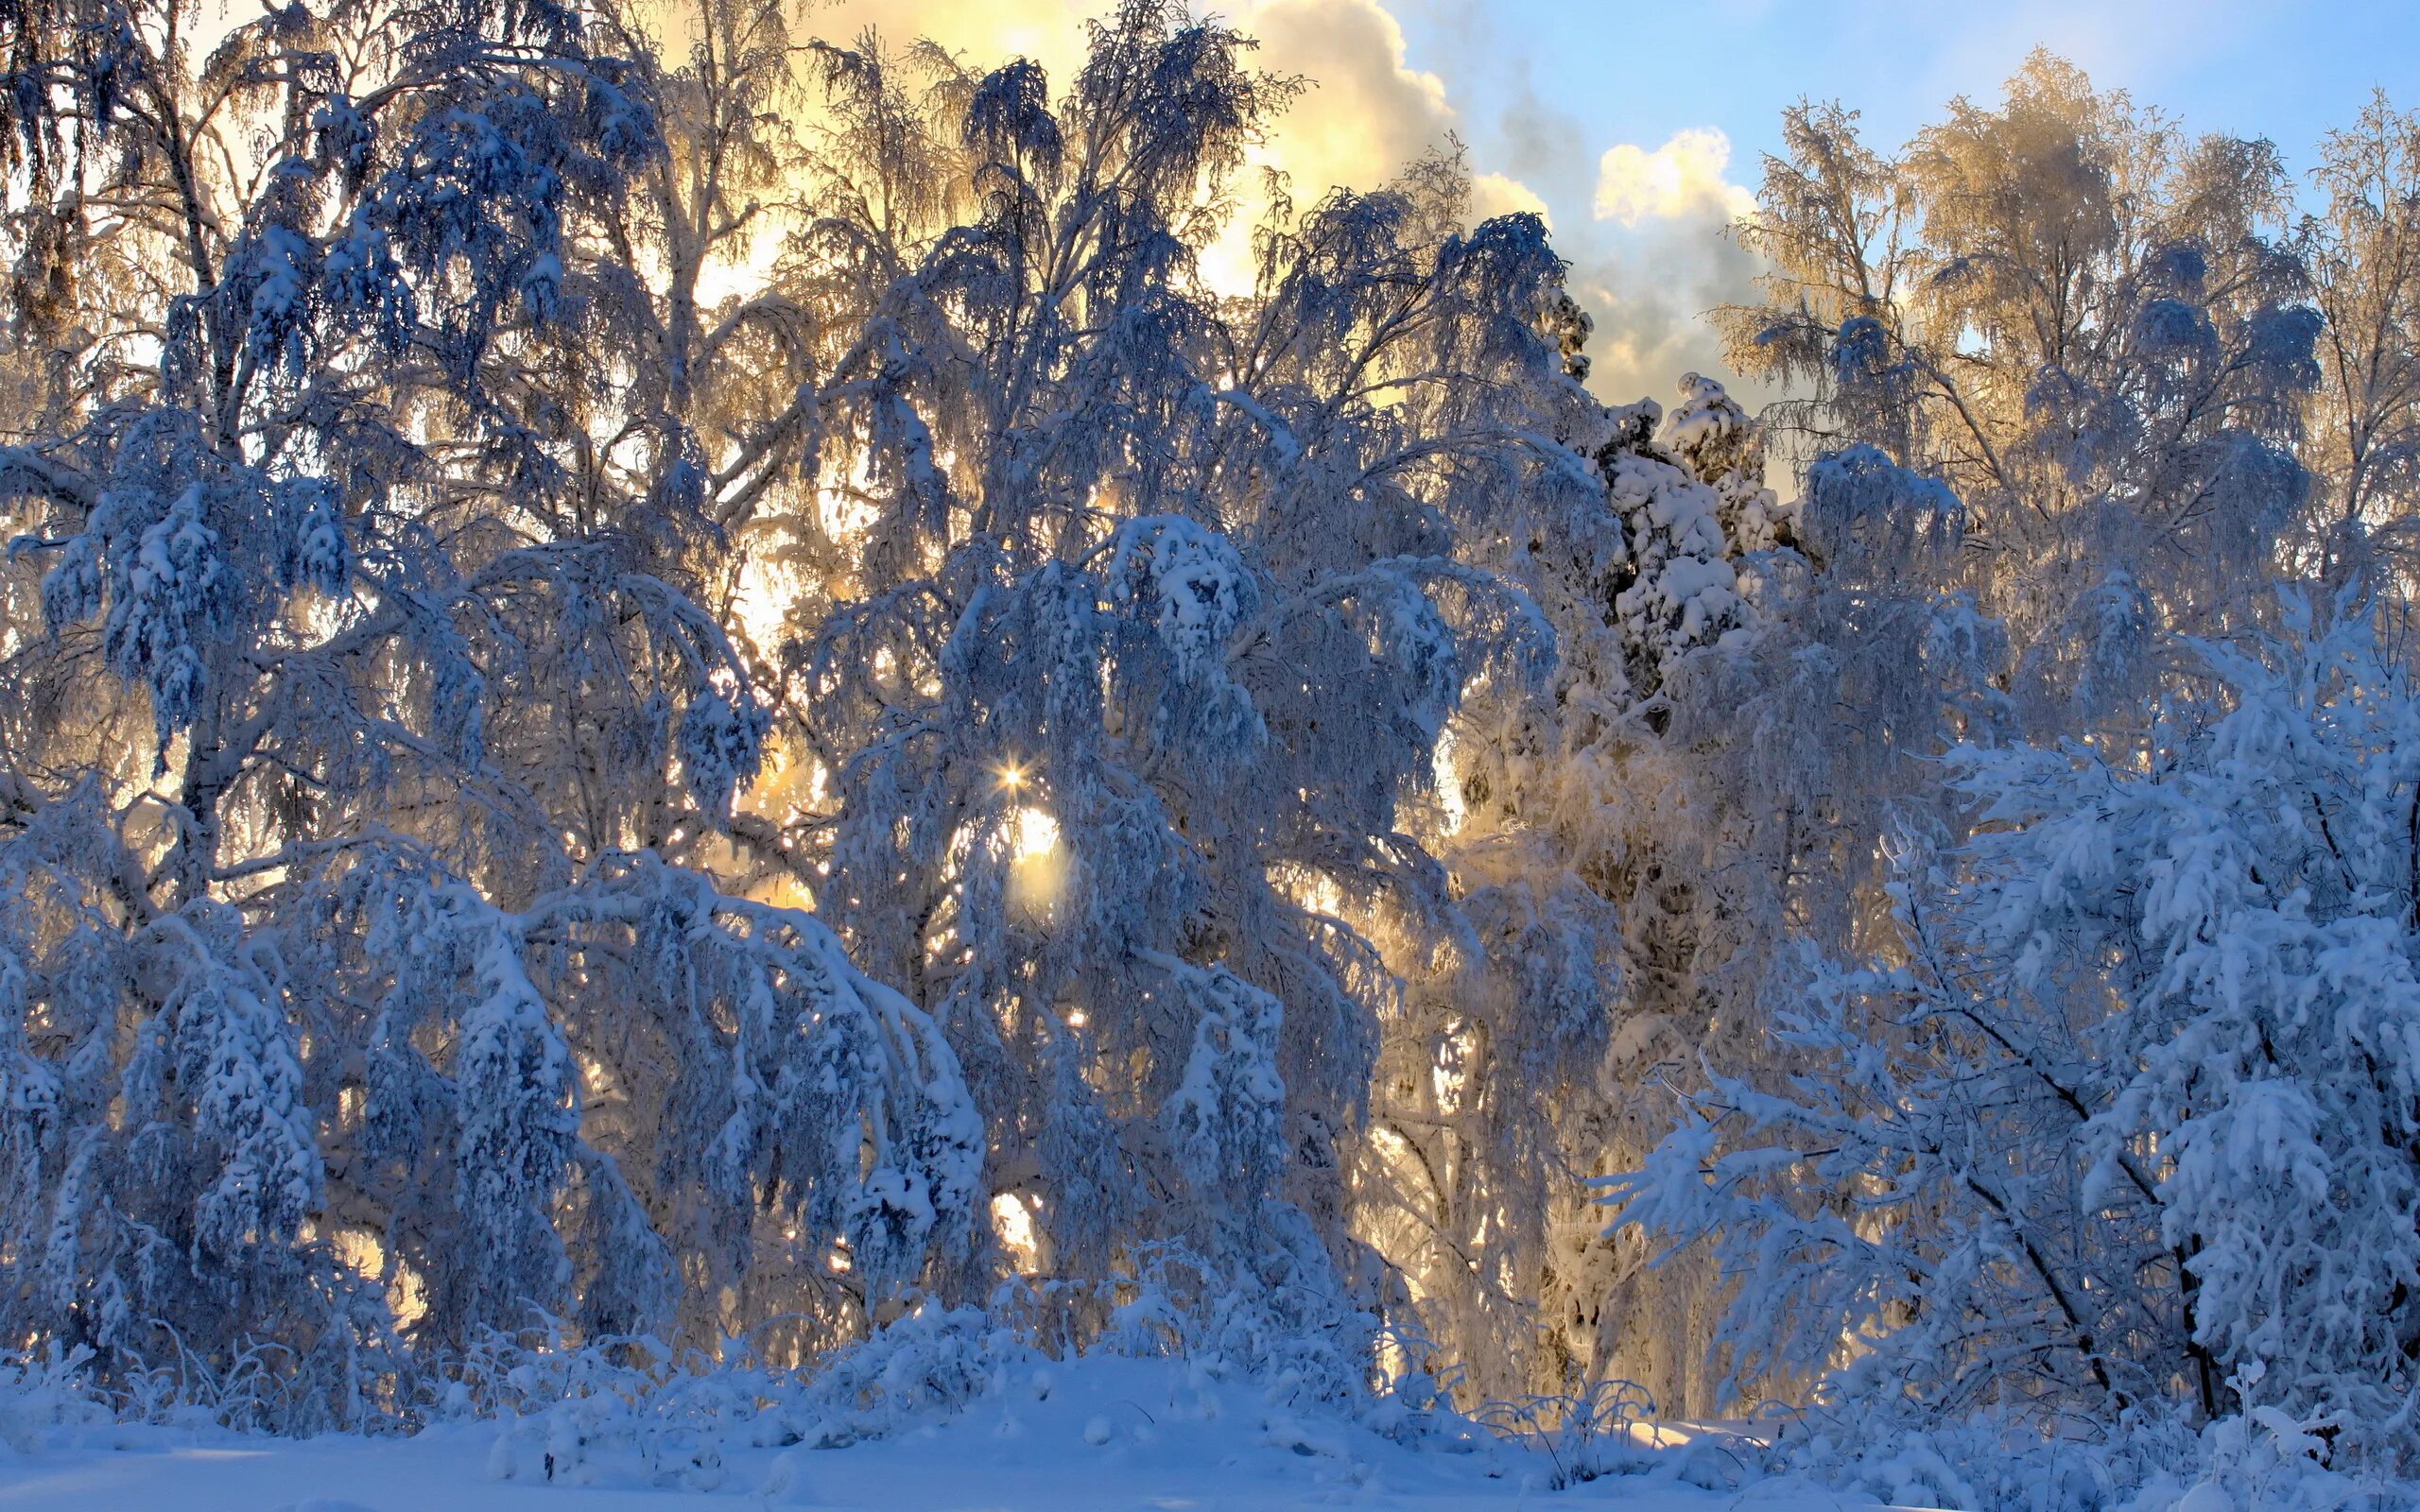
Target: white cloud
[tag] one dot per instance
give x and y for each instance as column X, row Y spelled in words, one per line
column 985, row 31
column 1655, row 258
column 1683, row 177
column 1493, row 195
column 1368, row 112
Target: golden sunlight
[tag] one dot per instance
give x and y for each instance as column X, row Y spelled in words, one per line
column 1013, row 1223
column 1038, row 870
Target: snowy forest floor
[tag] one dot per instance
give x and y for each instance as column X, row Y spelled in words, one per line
column 1104, row 1434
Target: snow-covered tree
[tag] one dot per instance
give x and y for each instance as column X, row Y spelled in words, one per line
column 2125, row 1118
column 2092, row 328
column 1125, row 618
column 359, row 725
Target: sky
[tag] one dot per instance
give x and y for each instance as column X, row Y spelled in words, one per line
column 1637, row 129
column 2288, row 70
column 1675, row 104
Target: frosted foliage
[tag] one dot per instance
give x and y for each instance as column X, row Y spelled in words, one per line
column 926, row 1362
column 1685, row 593
column 2138, row 1101
column 1867, row 514
column 2054, row 366
column 169, row 592
column 1193, row 588
column 28, row 1102
column 1724, row 447
column 722, row 745
column 1686, row 500
column 812, row 1101
column 1187, row 584
column 1224, row 1116
column 186, row 1207
column 513, row 1081
column 239, row 1062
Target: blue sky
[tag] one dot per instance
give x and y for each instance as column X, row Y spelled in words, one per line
column 1598, row 72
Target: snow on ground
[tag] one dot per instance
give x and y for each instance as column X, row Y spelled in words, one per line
column 1101, row 1435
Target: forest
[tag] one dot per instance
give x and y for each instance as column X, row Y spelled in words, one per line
column 682, row 697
